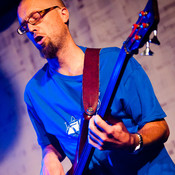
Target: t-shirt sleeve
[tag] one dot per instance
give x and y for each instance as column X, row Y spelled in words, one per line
column 142, row 103
column 39, row 128
column 42, row 135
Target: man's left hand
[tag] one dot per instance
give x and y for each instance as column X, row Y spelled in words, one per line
column 106, row 137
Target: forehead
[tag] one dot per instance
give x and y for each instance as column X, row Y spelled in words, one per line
column 26, row 7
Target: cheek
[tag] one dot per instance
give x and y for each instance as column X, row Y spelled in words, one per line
column 51, row 29
column 55, row 31
column 52, row 23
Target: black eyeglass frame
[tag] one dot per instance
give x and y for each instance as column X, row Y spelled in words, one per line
column 22, row 29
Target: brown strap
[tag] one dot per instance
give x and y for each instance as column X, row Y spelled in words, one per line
column 90, row 97
column 90, row 91
column 91, row 80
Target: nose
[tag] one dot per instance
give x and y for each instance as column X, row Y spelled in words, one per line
column 32, row 28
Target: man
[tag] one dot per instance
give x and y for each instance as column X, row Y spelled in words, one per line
column 133, row 145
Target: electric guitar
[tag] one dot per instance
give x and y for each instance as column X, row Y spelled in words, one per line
column 146, row 24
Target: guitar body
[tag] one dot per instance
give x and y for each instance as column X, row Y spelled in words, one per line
column 146, row 23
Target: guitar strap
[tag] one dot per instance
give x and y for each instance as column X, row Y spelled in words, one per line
column 90, row 91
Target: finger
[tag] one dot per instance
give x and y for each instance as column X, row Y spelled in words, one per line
column 100, row 144
column 98, row 136
column 101, row 124
column 94, row 131
column 94, row 142
column 95, row 138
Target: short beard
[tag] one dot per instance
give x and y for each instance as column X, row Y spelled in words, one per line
column 49, row 51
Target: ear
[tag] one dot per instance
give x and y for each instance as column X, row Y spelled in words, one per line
column 65, row 14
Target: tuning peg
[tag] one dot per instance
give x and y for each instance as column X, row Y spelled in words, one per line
column 155, row 40
column 143, row 13
column 147, row 51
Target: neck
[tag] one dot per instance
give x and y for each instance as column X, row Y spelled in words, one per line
column 69, row 60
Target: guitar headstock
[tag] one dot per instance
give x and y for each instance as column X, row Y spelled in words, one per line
column 147, row 23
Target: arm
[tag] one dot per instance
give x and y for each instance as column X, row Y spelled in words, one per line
column 105, row 136
column 135, row 98
column 155, row 132
column 51, row 157
column 51, row 161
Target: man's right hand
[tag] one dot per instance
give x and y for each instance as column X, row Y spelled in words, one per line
column 51, row 164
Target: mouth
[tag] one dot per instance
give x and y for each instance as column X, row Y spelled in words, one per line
column 39, row 39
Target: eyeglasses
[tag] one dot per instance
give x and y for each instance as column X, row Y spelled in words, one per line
column 33, row 19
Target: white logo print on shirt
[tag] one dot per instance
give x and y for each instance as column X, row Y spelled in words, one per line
column 73, row 127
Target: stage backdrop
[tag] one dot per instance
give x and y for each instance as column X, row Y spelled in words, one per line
column 93, row 23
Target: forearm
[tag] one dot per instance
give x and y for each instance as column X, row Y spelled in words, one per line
column 154, row 133
column 50, row 149
column 51, row 161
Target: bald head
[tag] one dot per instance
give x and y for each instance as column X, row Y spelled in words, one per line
column 57, row 2
column 27, row 6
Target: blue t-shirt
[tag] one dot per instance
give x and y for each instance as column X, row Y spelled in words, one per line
column 54, row 103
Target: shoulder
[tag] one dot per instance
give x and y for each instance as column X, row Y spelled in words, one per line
column 115, row 51
column 37, row 79
column 110, row 55
column 105, row 51
column 133, row 70
column 110, row 51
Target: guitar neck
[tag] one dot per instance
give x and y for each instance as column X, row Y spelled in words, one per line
column 114, row 82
